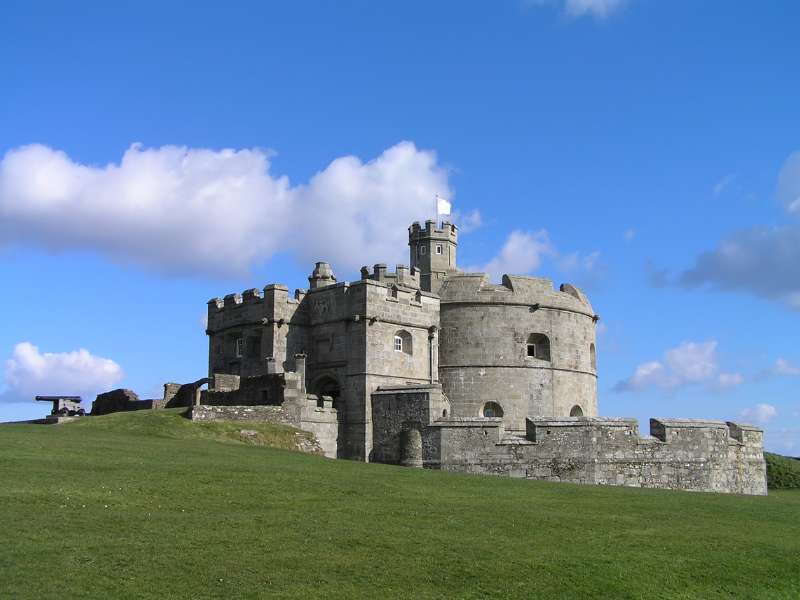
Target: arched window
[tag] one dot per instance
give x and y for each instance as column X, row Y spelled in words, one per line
column 576, row 411
column 593, row 357
column 492, row 409
column 538, row 346
column 403, row 342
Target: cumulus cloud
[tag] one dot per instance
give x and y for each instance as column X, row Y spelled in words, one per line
column 522, row 252
column 580, row 8
column 30, row 372
column 760, row 413
column 192, row 210
column 690, row 363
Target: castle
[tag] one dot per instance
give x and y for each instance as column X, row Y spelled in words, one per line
column 432, row 367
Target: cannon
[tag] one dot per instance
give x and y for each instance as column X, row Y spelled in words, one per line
column 64, row 406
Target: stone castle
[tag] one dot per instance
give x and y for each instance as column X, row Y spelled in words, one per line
column 432, row 367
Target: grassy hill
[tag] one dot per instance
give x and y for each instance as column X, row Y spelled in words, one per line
column 149, row 505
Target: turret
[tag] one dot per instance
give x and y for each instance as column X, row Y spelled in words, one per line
column 322, row 276
column 433, row 252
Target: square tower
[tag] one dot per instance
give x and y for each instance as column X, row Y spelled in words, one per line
column 433, row 252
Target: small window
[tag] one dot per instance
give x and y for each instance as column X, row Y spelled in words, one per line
column 422, row 249
column 576, row 411
column 403, row 342
column 492, row 409
column 593, row 357
column 239, row 347
column 538, row 346
column 438, row 248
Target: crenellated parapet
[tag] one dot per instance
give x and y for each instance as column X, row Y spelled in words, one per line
column 446, row 231
column 402, row 276
column 535, row 292
column 685, row 454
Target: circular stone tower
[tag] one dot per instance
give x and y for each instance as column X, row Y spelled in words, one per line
column 516, row 350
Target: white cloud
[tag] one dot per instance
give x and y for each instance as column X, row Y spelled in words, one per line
column 522, row 253
column 580, row 8
column 690, row 363
column 29, row 373
column 784, row 367
column 629, row 234
column 727, row 380
column 468, row 222
column 185, row 210
column 760, row 413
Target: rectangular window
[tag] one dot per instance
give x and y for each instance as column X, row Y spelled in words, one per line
column 422, row 249
column 239, row 347
column 438, row 248
column 532, row 350
column 398, row 343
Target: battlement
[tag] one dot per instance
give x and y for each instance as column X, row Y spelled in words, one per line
column 668, row 431
column 403, row 275
column 514, row 289
column 447, row 231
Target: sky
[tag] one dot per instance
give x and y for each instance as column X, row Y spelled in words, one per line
column 154, row 155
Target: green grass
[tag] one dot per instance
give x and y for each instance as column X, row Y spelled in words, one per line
column 783, row 472
column 146, row 505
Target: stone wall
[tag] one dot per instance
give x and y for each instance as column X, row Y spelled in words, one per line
column 692, row 455
column 400, row 419
column 710, row 456
column 483, row 348
column 121, row 400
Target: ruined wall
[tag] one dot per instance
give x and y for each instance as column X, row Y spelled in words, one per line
column 312, row 414
column 483, row 348
column 121, row 400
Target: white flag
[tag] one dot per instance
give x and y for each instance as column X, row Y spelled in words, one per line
column 442, row 206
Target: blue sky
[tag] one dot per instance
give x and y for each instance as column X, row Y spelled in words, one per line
column 158, row 154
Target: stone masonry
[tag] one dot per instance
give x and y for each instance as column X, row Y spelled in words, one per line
column 429, row 366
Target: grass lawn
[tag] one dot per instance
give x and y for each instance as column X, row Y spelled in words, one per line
column 149, row 505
